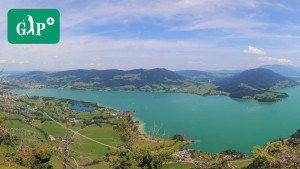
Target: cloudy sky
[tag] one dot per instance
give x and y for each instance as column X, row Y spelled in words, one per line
column 174, row 34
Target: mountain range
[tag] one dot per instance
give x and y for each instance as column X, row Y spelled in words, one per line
column 250, row 84
column 284, row 70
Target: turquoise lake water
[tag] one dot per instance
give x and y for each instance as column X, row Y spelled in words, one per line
column 79, row 107
column 217, row 122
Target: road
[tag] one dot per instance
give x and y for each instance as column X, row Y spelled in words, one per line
column 76, row 132
column 209, row 161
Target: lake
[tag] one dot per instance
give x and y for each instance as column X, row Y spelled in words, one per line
column 79, row 107
column 216, row 122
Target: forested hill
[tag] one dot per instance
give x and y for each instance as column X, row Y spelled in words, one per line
column 243, row 85
column 101, row 79
column 195, row 73
column 203, row 75
column 254, row 81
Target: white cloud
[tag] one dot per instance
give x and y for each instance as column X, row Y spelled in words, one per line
column 24, row 62
column 271, row 60
column 79, row 18
column 253, row 50
column 4, row 61
column 225, row 23
column 104, row 11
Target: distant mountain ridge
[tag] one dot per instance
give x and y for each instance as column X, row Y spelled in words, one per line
column 247, row 84
column 284, row 70
column 102, row 79
column 254, row 81
column 194, row 73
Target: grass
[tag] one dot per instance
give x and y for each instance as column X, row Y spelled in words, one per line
column 241, row 164
column 56, row 162
column 99, row 165
column 76, row 127
column 14, row 116
column 178, row 165
column 4, row 164
column 24, row 130
column 53, row 128
column 82, row 149
column 87, row 150
column 36, row 123
column 15, row 124
column 104, row 134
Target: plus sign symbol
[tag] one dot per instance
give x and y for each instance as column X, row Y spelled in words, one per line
column 50, row 21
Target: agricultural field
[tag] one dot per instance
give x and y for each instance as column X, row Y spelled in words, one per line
column 49, row 122
column 178, row 165
column 91, row 134
column 36, row 118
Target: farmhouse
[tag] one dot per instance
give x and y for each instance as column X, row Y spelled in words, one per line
column 51, row 138
column 73, row 120
column 184, row 155
column 121, row 114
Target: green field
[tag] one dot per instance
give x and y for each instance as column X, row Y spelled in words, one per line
column 104, row 134
column 242, row 164
column 178, row 165
column 14, row 116
column 52, row 128
column 15, row 124
column 31, row 124
column 86, row 150
column 24, row 130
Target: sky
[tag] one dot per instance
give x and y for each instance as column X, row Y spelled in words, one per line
column 171, row 34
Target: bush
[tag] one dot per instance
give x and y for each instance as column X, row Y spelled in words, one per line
column 179, row 137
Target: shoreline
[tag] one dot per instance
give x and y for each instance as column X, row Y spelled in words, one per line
column 141, row 125
column 169, row 92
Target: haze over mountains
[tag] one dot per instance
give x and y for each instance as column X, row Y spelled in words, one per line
column 284, row 70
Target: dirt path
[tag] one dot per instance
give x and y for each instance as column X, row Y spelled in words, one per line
column 76, row 132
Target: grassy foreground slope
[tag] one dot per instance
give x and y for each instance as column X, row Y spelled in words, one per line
column 29, row 122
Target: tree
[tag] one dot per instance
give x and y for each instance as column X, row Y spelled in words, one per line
column 135, row 153
column 42, row 159
column 222, row 164
column 35, row 157
column 259, row 162
column 122, row 159
column 178, row 137
column 149, row 158
column 262, row 159
column 128, row 132
column 1, row 120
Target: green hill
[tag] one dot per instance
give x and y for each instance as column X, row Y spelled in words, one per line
column 251, row 84
column 254, row 83
column 138, row 79
column 203, row 75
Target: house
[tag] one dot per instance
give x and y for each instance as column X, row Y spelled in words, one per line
column 199, row 158
column 73, row 120
column 121, row 114
column 61, row 149
column 182, row 155
column 187, row 159
column 51, row 138
column 228, row 157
